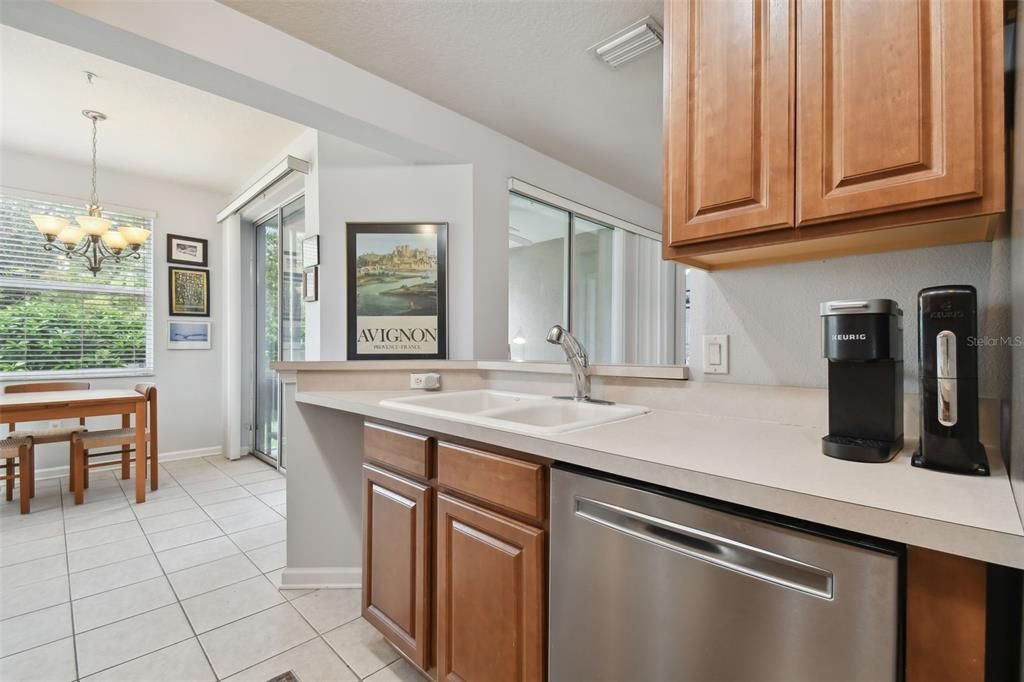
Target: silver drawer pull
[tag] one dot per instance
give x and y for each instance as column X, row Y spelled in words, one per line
column 713, row 549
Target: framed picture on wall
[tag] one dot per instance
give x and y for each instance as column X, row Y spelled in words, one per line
column 310, row 283
column 187, row 250
column 397, row 291
column 311, row 251
column 188, row 292
column 188, row 335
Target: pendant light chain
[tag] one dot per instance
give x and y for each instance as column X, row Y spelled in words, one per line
column 95, row 197
column 92, row 238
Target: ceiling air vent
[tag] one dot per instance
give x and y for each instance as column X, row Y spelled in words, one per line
column 629, row 43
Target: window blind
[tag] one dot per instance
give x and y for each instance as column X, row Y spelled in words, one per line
column 56, row 318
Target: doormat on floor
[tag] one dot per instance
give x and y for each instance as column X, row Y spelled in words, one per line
column 289, row 676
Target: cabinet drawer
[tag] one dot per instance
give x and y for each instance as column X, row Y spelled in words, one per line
column 510, row 484
column 399, row 450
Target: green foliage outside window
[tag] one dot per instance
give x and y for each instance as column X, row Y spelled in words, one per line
column 36, row 334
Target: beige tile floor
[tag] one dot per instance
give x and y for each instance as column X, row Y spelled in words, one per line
column 183, row 587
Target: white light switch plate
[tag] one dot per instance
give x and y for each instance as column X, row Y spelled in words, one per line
column 716, row 354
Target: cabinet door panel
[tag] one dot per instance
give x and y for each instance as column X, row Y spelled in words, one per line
column 396, row 561
column 728, row 118
column 890, row 105
column 490, row 596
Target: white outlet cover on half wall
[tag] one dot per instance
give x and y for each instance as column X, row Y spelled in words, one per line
column 716, row 353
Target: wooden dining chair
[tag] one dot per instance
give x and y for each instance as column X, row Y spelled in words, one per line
column 85, row 443
column 48, row 434
column 16, row 453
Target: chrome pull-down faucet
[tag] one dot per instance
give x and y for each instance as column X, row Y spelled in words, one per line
column 579, row 363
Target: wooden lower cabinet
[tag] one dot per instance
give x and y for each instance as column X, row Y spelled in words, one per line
column 490, row 595
column 946, row 603
column 397, row 556
column 455, row 556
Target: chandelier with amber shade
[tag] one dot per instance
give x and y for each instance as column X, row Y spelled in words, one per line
column 94, row 237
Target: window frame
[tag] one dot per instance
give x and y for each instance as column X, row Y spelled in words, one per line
column 576, row 209
column 149, row 293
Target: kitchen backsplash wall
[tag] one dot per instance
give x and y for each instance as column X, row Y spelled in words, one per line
column 771, row 313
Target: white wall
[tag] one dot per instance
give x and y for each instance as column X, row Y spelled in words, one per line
column 189, row 382
column 771, row 313
column 347, row 184
column 212, row 47
column 394, row 194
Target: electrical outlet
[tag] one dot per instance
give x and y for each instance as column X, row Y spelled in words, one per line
column 430, row 381
column 716, row 354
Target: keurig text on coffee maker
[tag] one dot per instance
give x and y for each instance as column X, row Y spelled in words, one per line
column 863, row 342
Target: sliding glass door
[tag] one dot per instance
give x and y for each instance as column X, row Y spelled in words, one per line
column 280, row 322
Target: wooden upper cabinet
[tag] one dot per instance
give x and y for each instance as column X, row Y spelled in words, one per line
column 890, row 105
column 860, row 125
column 396, row 561
column 490, row 596
column 728, row 118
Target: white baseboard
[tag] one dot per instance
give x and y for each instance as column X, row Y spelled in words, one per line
column 57, row 472
column 321, row 578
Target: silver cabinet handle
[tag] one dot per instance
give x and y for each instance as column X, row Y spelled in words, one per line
column 945, row 360
column 713, row 549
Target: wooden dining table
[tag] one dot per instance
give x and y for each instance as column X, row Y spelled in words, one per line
column 46, row 406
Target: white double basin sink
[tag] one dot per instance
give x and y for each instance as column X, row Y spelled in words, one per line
column 518, row 412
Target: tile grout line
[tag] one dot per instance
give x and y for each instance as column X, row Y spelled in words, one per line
column 260, row 662
column 248, row 558
column 153, row 552
column 163, row 571
column 67, row 559
column 262, row 574
column 165, row 575
column 319, row 635
column 70, row 602
column 41, row 608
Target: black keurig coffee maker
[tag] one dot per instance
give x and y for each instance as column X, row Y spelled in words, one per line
column 863, row 341
column 947, row 321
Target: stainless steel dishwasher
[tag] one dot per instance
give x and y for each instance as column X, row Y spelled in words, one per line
column 651, row 587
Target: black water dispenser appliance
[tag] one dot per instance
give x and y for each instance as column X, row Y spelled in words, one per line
column 947, row 320
column 863, row 342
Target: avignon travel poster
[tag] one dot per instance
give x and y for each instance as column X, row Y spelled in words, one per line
column 397, row 291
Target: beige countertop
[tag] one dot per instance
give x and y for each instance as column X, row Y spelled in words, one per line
column 769, row 466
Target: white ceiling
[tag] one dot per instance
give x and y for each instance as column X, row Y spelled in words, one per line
column 519, row 67
column 156, row 127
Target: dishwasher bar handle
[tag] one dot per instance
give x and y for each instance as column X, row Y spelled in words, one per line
column 713, row 549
